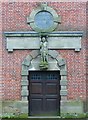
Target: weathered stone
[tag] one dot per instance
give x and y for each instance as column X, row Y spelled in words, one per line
column 31, row 18
column 22, row 106
column 64, row 42
column 24, row 82
column 53, row 65
column 59, row 40
column 26, row 43
column 53, row 34
column 23, row 98
column 24, row 109
column 53, row 53
column 61, row 62
column 77, row 49
column 34, row 53
column 26, row 62
column 63, row 92
column 24, row 93
column 63, row 87
column 24, row 78
column 71, row 106
column 35, row 64
column 64, row 98
column 63, row 73
column 24, row 72
column 24, row 87
column 63, row 67
column 63, row 78
column 63, row 82
column 24, row 68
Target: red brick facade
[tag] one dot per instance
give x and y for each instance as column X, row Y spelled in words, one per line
column 0, row 54
column 14, row 18
column 87, row 50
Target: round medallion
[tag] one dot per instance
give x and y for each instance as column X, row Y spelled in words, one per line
column 43, row 20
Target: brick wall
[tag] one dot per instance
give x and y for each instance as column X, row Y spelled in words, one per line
column 0, row 54
column 73, row 16
column 87, row 52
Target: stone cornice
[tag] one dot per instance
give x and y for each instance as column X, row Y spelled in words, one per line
column 32, row 33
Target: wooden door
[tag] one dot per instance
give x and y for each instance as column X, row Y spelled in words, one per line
column 44, row 93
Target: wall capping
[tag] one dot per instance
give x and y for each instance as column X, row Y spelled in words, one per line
column 32, row 33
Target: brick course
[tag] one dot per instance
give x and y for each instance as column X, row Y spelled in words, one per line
column 73, row 16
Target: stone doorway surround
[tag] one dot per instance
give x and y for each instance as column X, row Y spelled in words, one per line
column 31, row 63
column 57, row 40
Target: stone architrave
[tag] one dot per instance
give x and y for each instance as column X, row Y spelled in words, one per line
column 34, row 65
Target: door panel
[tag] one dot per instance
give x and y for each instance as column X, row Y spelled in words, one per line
column 36, row 88
column 51, row 104
column 36, row 105
column 44, row 92
column 51, row 88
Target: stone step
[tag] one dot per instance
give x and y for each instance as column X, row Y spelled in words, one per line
column 52, row 118
column 43, row 117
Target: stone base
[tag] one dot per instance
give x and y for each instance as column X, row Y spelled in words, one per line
column 15, row 107
column 21, row 107
column 71, row 106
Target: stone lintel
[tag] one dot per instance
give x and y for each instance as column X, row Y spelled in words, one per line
column 56, row 40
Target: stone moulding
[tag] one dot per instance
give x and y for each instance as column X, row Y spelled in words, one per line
column 36, row 34
column 44, row 8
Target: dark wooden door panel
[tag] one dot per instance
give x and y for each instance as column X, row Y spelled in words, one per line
column 51, row 88
column 36, row 105
column 44, row 92
column 36, row 88
column 51, row 104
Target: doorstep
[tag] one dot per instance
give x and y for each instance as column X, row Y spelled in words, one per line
column 43, row 117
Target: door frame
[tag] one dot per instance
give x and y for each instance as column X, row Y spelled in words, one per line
column 31, row 63
column 57, row 83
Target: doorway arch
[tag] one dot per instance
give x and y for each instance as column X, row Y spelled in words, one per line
column 31, row 63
